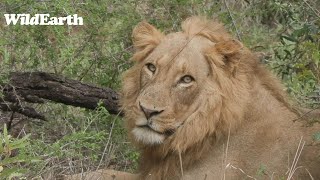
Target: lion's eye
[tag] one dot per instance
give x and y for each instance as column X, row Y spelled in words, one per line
column 187, row 79
column 151, row 67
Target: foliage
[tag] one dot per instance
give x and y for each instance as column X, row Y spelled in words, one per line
column 10, row 155
column 297, row 60
column 297, row 54
column 75, row 139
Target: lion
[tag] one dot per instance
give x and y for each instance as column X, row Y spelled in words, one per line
column 198, row 104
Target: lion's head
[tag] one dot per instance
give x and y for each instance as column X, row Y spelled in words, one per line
column 185, row 86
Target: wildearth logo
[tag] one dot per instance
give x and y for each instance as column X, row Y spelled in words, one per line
column 42, row 19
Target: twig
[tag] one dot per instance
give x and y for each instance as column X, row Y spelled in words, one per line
column 309, row 174
column 312, row 9
column 109, row 138
column 305, row 114
column 9, row 124
column 226, row 153
column 242, row 171
column 233, row 22
column 21, row 131
column 229, row 165
column 296, row 159
column 180, row 160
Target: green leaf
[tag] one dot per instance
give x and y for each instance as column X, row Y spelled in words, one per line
column 5, row 134
column 316, row 136
column 17, row 159
column 20, row 143
column 12, row 172
column 292, row 39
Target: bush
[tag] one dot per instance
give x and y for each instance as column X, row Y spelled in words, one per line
column 11, row 159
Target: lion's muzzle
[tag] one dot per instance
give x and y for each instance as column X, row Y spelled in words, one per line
column 149, row 112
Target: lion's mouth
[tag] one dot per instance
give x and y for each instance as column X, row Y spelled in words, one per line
column 168, row 132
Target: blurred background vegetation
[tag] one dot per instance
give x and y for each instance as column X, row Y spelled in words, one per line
column 284, row 33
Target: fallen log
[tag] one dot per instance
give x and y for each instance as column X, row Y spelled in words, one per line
column 36, row 87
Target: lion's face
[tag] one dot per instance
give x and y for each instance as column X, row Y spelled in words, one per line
column 172, row 87
column 171, row 82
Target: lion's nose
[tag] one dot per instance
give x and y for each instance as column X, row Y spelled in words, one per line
column 149, row 112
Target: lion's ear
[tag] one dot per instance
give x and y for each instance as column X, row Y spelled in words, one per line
column 145, row 39
column 229, row 48
column 226, row 54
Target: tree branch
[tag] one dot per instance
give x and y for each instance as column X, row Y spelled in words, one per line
column 27, row 111
column 34, row 87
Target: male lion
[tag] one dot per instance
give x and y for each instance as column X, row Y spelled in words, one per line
column 199, row 105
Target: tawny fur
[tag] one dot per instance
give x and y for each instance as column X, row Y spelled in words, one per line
column 232, row 97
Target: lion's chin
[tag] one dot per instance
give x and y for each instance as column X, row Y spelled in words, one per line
column 147, row 136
